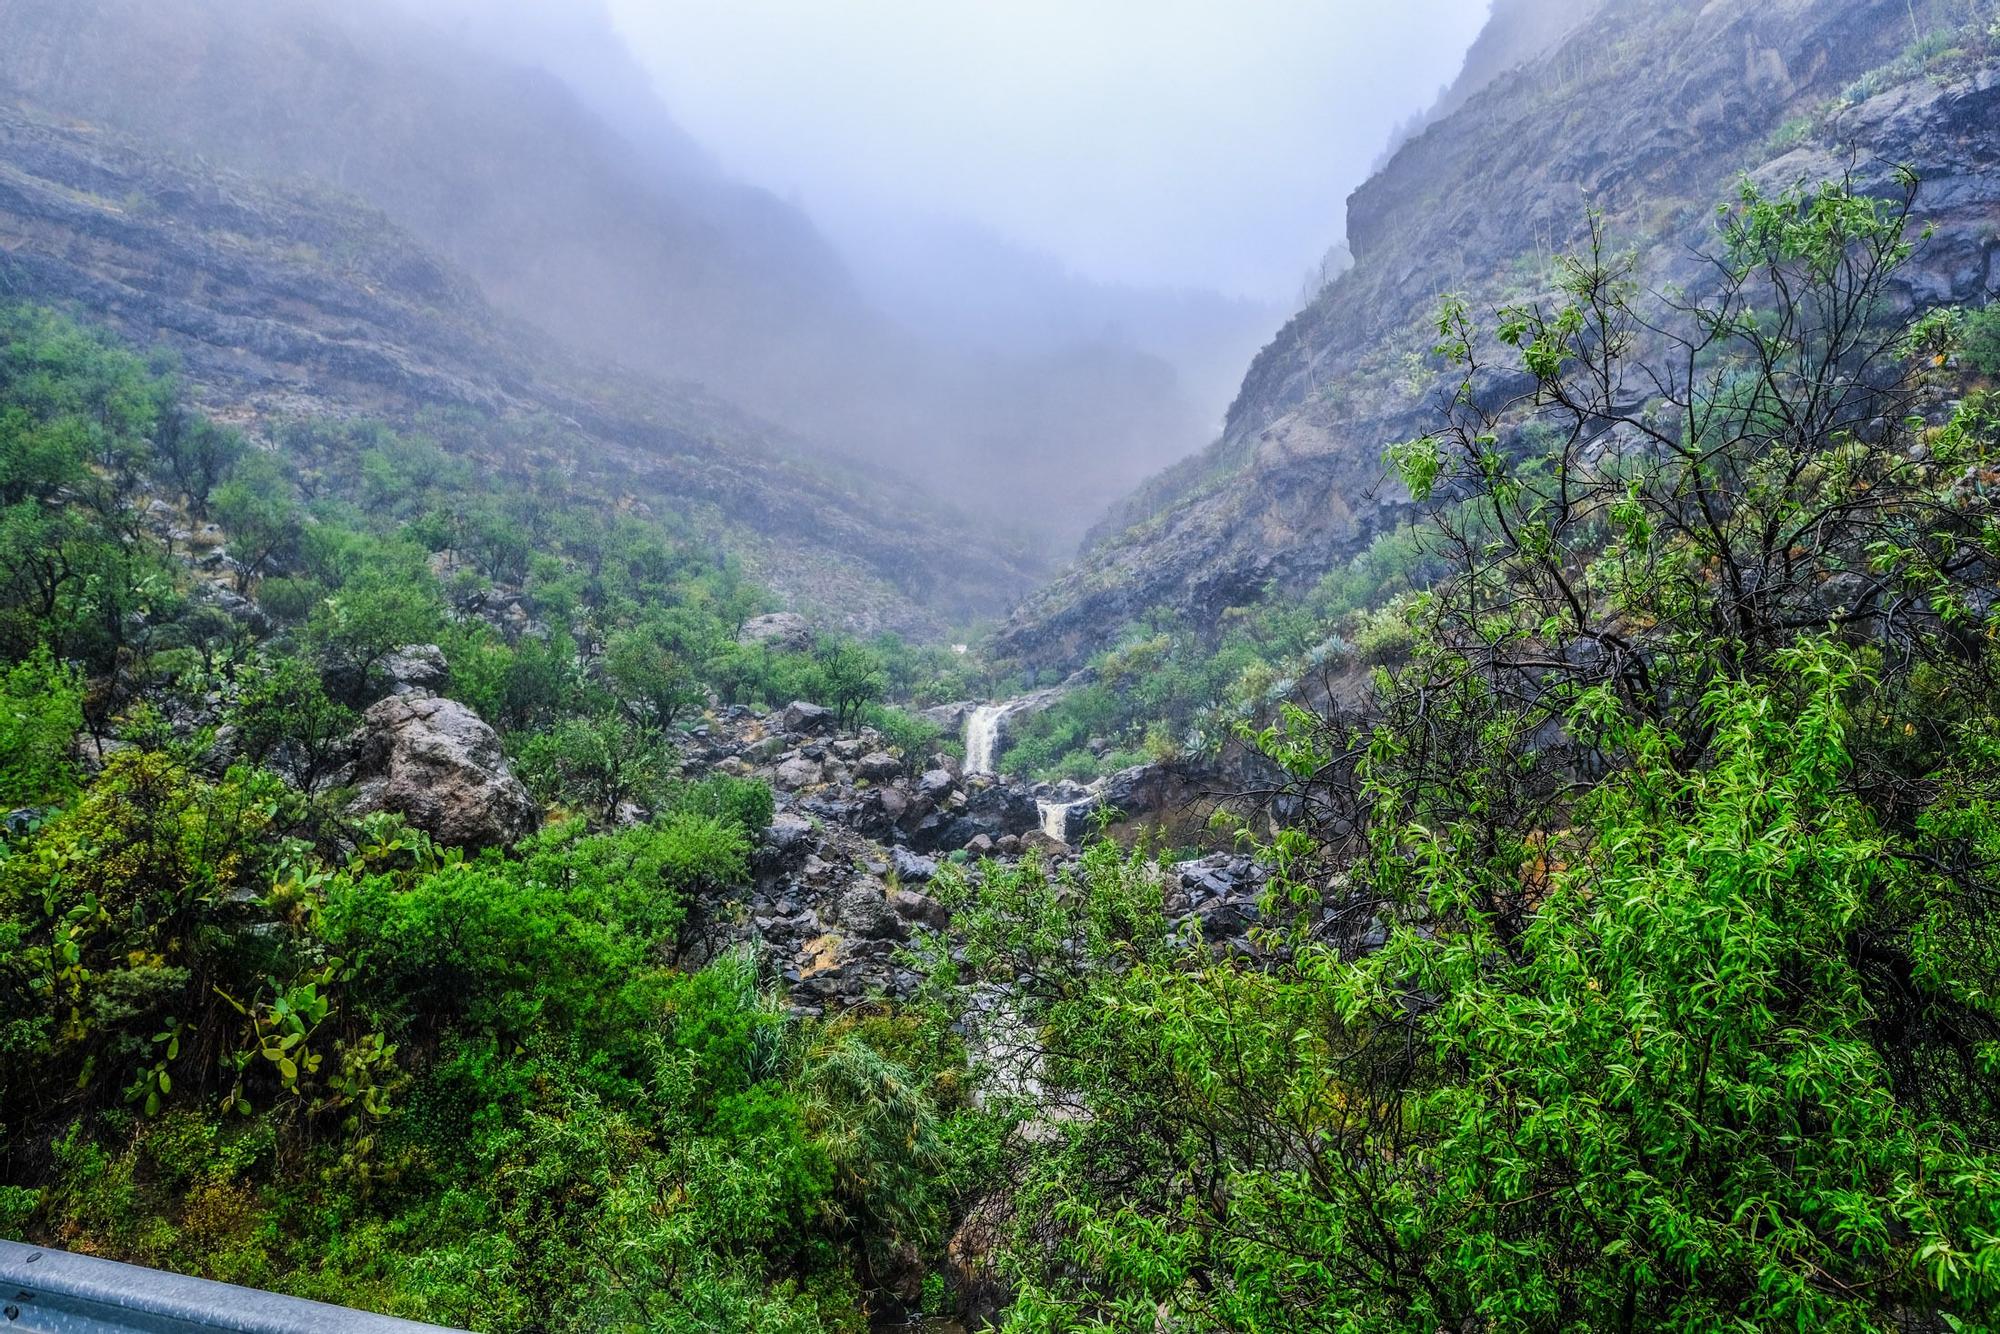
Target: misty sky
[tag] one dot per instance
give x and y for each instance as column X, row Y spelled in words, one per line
column 1203, row 143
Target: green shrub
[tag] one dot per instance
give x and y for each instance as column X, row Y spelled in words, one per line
column 746, row 804
column 284, row 719
column 41, row 713
column 1982, row 340
column 596, row 765
column 916, row 738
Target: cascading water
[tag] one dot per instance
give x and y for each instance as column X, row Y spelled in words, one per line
column 1056, row 816
column 982, row 738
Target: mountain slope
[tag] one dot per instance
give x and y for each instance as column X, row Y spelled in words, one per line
column 496, row 166
column 1647, row 113
column 288, row 301
column 518, row 139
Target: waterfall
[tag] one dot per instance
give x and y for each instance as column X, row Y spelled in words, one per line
column 982, row 738
column 1056, row 816
column 985, row 729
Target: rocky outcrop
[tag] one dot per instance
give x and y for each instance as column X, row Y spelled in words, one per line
column 782, row 631
column 1648, row 112
column 420, row 669
column 842, row 878
column 437, row 764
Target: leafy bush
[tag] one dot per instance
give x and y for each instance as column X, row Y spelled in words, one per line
column 284, row 719
column 916, row 738
column 597, row 765
column 1982, row 340
column 41, row 713
column 744, row 803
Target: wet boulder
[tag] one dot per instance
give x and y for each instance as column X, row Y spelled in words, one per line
column 1003, row 809
column 864, row 912
column 437, row 764
column 919, row 909
column 419, row 669
column 807, row 719
column 798, row 772
column 878, row 766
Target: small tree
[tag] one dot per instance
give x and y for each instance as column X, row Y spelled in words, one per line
column 284, row 718
column 597, row 764
column 371, row 617
column 256, row 510
column 192, row 453
column 654, row 685
column 853, row 678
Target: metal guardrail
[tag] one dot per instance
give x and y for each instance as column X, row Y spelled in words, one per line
column 43, row 1291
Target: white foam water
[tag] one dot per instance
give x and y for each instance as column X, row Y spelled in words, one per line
column 1055, row 817
column 982, row 738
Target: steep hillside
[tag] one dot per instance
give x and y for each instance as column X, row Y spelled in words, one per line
column 1648, row 113
column 520, row 141
column 280, row 302
column 500, row 169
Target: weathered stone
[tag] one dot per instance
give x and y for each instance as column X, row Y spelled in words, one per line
column 419, row 669
column 811, row 719
column 1004, row 809
column 878, row 766
column 798, row 772
column 921, row 909
column 436, row 763
column 935, row 783
column 910, row 867
column 789, row 833
column 864, row 912
column 1222, row 919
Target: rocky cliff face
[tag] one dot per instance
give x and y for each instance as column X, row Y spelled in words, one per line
column 289, row 301
column 1648, row 112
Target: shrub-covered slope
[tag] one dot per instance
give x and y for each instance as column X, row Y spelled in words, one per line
column 279, row 301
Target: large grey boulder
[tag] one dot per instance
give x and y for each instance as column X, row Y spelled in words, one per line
column 865, row 912
column 799, row 772
column 437, row 764
column 418, row 669
column 807, row 718
column 878, row 766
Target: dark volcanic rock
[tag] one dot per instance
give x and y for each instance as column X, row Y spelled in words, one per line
column 807, row 719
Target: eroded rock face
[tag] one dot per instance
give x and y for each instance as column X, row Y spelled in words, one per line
column 807, row 719
column 437, row 764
